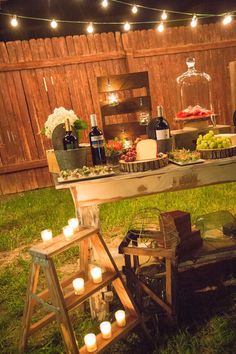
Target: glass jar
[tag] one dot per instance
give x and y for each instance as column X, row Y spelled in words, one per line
column 194, row 91
column 143, row 114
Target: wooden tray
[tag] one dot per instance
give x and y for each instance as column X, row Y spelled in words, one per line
column 185, row 163
column 144, row 165
column 218, row 153
column 85, row 178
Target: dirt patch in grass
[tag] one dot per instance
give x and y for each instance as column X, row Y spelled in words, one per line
column 9, row 257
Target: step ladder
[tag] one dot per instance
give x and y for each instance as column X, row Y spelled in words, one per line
column 61, row 294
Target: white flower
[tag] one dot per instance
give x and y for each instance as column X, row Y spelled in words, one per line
column 59, row 116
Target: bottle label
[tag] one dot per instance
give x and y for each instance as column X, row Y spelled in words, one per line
column 97, row 141
column 162, row 134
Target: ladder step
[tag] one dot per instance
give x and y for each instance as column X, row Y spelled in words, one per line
column 72, row 300
column 117, row 332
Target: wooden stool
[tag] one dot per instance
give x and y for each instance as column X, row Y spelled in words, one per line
column 61, row 303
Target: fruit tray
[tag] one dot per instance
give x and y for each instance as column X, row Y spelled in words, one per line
column 192, row 119
column 218, row 153
column 144, row 165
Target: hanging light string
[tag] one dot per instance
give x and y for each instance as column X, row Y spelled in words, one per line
column 226, row 17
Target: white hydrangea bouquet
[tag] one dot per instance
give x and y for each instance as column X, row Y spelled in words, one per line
column 59, row 116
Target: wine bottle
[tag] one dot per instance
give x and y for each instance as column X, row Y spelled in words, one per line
column 96, row 143
column 158, row 127
column 69, row 141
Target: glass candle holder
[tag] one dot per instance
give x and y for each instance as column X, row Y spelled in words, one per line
column 120, row 318
column 46, row 235
column 90, row 342
column 74, row 223
column 96, row 274
column 105, row 328
column 78, row 285
column 68, row 232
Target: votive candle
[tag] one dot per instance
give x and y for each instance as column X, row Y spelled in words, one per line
column 120, row 318
column 105, row 328
column 90, row 342
column 74, row 223
column 78, row 285
column 96, row 273
column 46, row 235
column 68, row 231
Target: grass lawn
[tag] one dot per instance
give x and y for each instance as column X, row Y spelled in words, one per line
column 24, row 215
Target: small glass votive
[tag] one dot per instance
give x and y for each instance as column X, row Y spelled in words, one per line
column 105, row 328
column 96, row 274
column 78, row 285
column 46, row 235
column 74, row 223
column 90, row 342
column 68, row 232
column 120, row 318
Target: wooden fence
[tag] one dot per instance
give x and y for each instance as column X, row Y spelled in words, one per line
column 40, row 74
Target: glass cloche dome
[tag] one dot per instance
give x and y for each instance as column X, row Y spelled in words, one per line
column 194, row 92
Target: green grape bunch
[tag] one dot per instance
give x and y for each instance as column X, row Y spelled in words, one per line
column 210, row 141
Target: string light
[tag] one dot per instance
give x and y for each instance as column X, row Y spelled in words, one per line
column 134, row 9
column 54, row 24
column 164, row 15
column 127, row 26
column 14, row 21
column 105, row 3
column 90, row 28
column 194, row 21
column 227, row 19
column 160, row 27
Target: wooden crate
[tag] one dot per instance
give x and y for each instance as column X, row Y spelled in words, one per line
column 52, row 161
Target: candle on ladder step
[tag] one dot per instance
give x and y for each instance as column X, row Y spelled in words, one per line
column 105, row 328
column 120, row 318
column 90, row 342
column 68, row 232
column 74, row 223
column 46, row 235
column 78, row 285
column 96, row 274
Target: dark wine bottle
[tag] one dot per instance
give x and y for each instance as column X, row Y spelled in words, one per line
column 69, row 141
column 97, row 143
column 158, row 127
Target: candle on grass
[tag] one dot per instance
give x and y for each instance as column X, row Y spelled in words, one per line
column 120, row 318
column 74, row 223
column 46, row 235
column 90, row 342
column 105, row 328
column 96, row 274
column 68, row 232
column 78, row 285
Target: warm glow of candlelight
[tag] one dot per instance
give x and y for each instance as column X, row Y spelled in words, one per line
column 96, row 274
column 90, row 342
column 120, row 318
column 74, row 223
column 105, row 328
column 78, row 285
column 46, row 235
column 68, row 232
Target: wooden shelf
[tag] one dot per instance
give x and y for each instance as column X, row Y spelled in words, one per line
column 73, row 300
column 117, row 332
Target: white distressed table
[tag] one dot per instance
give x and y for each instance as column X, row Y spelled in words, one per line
column 87, row 195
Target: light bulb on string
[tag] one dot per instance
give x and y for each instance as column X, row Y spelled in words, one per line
column 127, row 26
column 105, row 3
column 14, row 21
column 90, row 28
column 134, row 9
column 160, row 27
column 194, row 21
column 227, row 19
column 54, row 24
column 164, row 15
